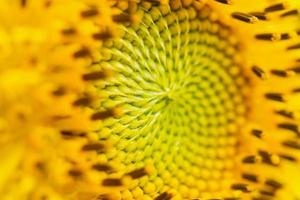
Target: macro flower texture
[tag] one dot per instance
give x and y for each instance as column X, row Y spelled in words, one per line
column 149, row 100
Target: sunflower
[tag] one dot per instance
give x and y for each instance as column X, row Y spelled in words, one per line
column 149, row 99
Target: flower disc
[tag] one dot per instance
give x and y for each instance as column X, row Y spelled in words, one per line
column 181, row 94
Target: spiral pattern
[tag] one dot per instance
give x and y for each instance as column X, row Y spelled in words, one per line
column 181, row 92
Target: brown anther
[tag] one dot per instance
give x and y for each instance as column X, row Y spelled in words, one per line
column 112, row 182
column 285, row 113
column 244, row 17
column 59, row 91
column 275, row 7
column 275, row 97
column 268, row 158
column 251, row 159
column 259, row 15
column 295, row 69
column 288, row 157
column 280, row 73
column 296, row 90
column 285, row 36
column 257, row 133
column 61, row 117
column 240, row 186
column 40, row 166
column 92, row 76
column 259, row 72
column 122, row 18
column 67, row 134
column 273, row 183
column 267, row 193
column 84, row 52
column 104, row 197
column 164, row 196
column 106, row 114
column 291, row 144
column 135, row 174
column 293, row 47
column 48, row 3
column 75, row 173
column 93, row 147
column 289, row 126
column 155, row 2
column 89, row 13
column 82, row 101
column 250, row 177
column 224, row 1
column 268, row 36
column 290, row 13
column 69, row 31
column 102, row 167
column 105, row 35
column 23, row 3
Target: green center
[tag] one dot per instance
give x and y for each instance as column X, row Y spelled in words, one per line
column 180, row 91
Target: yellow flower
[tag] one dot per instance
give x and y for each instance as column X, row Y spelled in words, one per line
column 149, row 99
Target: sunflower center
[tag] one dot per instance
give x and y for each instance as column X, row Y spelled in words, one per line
column 180, row 91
